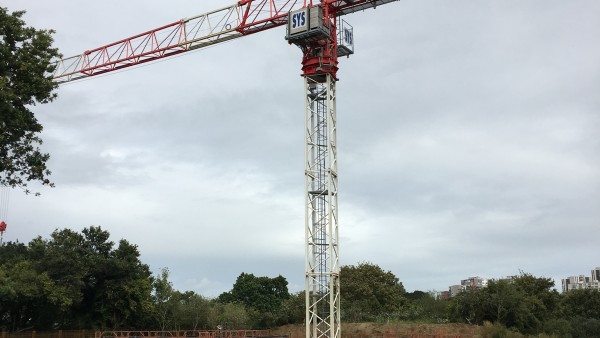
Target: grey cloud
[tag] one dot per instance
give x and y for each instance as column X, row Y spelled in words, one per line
column 468, row 144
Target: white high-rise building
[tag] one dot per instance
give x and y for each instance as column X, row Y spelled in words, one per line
column 596, row 275
column 470, row 283
column 582, row 282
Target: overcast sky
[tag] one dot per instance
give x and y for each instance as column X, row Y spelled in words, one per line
column 468, row 144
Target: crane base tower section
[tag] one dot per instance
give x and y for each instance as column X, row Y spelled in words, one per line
column 321, row 216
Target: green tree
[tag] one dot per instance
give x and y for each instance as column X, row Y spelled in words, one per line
column 74, row 281
column 584, row 303
column 63, row 258
column 585, row 327
column 122, row 296
column 26, row 296
column 502, row 302
column 229, row 316
column 264, row 295
column 191, row 311
column 163, row 297
column 175, row 310
column 525, row 303
column 261, row 293
column 466, row 307
column 580, row 309
column 540, row 299
column 25, row 64
column 368, row 292
column 423, row 306
column 292, row 310
column 12, row 252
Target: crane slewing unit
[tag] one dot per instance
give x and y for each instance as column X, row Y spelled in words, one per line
column 322, row 36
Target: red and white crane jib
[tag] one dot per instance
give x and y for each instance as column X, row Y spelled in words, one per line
column 243, row 18
column 175, row 38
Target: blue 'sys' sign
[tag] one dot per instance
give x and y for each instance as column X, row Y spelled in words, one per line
column 299, row 19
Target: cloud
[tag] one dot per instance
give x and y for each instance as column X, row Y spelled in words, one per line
column 467, row 132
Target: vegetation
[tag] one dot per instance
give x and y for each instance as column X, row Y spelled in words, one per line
column 73, row 280
column 529, row 305
column 262, row 296
column 25, row 62
column 369, row 293
column 86, row 281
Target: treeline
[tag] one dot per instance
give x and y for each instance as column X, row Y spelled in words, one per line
column 523, row 306
column 530, row 305
column 85, row 281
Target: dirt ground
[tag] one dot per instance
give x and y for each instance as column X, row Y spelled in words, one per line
column 373, row 330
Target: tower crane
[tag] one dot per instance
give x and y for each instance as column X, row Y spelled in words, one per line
column 317, row 28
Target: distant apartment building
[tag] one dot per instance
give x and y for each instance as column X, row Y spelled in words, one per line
column 582, row 281
column 455, row 290
column 467, row 284
column 474, row 282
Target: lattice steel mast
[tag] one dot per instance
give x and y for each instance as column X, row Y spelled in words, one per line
column 315, row 31
column 321, row 220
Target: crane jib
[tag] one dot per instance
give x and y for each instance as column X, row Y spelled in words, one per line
column 243, row 18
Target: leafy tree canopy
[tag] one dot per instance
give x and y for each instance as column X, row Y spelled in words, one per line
column 73, row 281
column 261, row 293
column 584, row 303
column 25, row 62
column 524, row 303
column 368, row 291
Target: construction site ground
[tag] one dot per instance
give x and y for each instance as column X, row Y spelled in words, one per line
column 385, row 330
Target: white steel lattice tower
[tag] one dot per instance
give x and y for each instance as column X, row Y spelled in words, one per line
column 321, row 217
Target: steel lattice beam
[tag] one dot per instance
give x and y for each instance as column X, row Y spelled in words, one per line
column 321, row 213
column 243, row 18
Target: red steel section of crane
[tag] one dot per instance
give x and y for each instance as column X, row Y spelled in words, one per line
column 135, row 50
column 243, row 18
column 172, row 39
column 260, row 15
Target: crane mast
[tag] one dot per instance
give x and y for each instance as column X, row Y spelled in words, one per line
column 322, row 267
column 323, row 37
column 314, row 31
